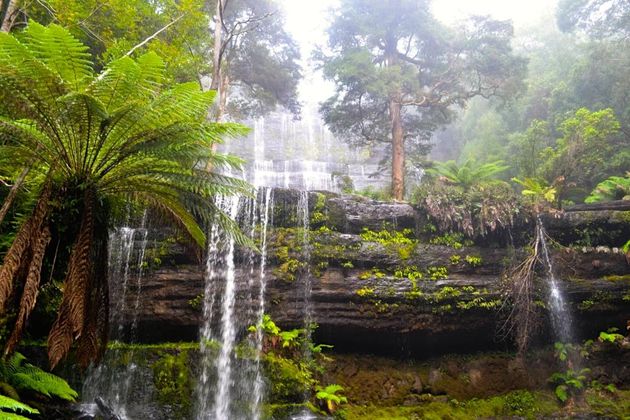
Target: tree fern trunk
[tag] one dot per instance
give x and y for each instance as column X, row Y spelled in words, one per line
column 93, row 341
column 14, row 257
column 71, row 318
column 31, row 287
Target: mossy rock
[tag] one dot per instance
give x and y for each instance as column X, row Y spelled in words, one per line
column 287, row 381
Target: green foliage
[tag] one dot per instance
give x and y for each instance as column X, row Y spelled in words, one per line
column 475, row 212
column 538, row 193
column 401, row 242
column 446, row 293
column 9, row 407
column 331, row 397
column 610, row 336
column 150, row 137
column 569, row 383
column 585, row 151
column 453, row 239
column 473, row 261
column 468, row 174
column 613, row 188
column 455, row 259
column 25, row 377
column 437, row 273
column 197, row 302
column 289, row 379
column 410, row 272
column 383, row 194
column 172, row 379
column 373, row 70
column 365, row 292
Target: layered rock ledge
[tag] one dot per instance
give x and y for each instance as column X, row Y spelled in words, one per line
column 406, row 298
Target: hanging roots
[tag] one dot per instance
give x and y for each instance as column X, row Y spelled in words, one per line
column 520, row 293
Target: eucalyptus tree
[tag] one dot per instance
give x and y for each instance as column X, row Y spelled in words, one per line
column 399, row 73
column 97, row 142
column 255, row 60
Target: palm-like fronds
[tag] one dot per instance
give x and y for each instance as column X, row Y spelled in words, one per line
column 25, row 377
column 119, row 136
column 467, row 174
column 10, row 407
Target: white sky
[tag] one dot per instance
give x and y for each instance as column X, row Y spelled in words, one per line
column 307, row 20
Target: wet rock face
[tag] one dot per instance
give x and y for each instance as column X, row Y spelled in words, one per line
column 351, row 214
column 370, row 296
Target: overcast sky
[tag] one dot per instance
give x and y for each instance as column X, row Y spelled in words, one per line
column 307, row 20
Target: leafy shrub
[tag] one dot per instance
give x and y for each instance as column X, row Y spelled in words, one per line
column 569, row 383
column 475, row 211
column 613, row 188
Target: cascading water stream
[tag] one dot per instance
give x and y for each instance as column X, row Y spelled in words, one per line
column 230, row 386
column 561, row 318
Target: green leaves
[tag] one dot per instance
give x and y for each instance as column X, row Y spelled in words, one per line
column 613, row 188
column 7, row 405
column 27, row 377
column 469, row 173
column 536, row 190
column 330, row 396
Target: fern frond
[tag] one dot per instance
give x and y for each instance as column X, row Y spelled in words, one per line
column 9, row 404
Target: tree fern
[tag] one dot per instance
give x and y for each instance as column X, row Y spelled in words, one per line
column 467, row 174
column 118, row 137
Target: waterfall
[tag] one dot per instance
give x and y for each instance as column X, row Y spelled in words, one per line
column 561, row 318
column 109, row 381
column 259, row 379
column 231, row 386
column 223, row 364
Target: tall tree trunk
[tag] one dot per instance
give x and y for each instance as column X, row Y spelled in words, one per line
column 218, row 45
column 7, row 14
column 398, row 150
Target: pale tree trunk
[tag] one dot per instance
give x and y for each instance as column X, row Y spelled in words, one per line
column 218, row 43
column 223, row 94
column 215, row 83
column 8, row 9
column 398, row 150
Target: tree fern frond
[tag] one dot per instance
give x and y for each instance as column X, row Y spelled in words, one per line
column 34, row 379
column 9, row 404
column 60, row 51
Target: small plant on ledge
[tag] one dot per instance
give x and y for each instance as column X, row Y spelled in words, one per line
column 330, row 398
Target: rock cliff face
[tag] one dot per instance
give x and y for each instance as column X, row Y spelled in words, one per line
column 396, row 293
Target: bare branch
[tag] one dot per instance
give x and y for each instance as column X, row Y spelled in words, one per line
column 148, row 39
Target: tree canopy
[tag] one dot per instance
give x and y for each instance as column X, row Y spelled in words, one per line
column 399, row 73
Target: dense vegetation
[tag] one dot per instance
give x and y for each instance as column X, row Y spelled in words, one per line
column 114, row 110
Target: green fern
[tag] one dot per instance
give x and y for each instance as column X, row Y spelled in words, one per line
column 27, row 377
column 469, row 173
column 8, row 407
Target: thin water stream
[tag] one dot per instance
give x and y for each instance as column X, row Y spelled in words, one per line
column 561, row 317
